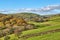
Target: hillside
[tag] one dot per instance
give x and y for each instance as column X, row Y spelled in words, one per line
column 27, row 16
column 35, row 27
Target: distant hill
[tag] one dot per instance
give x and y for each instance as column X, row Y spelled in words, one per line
column 26, row 16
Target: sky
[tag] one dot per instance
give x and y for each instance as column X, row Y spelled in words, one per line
column 21, row 4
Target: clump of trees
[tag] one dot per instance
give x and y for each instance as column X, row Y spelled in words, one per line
column 10, row 24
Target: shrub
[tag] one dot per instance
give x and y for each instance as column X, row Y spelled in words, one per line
column 29, row 26
column 6, row 38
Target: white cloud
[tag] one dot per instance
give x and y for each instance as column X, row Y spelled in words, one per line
column 50, row 8
column 47, row 9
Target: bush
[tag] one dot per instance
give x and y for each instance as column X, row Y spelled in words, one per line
column 6, row 37
column 30, row 26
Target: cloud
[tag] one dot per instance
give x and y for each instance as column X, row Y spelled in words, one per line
column 50, row 8
column 45, row 9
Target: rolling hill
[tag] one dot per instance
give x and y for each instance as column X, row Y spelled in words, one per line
column 46, row 28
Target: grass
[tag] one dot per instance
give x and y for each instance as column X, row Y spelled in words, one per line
column 40, row 30
column 56, row 26
column 52, row 36
column 53, row 24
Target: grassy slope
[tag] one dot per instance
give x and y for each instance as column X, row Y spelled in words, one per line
column 54, row 24
column 52, row 36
